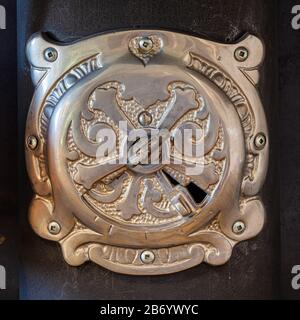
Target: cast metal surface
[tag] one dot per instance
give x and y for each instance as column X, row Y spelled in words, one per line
column 146, row 219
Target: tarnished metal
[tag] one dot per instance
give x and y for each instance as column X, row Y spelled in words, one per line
column 154, row 218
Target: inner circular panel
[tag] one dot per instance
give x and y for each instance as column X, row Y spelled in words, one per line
column 167, row 194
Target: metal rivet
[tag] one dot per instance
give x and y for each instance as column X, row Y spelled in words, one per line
column 145, row 44
column 50, row 54
column 32, row 142
column 241, row 54
column 54, row 227
column 147, row 257
column 260, row 141
column 145, row 118
column 238, row 227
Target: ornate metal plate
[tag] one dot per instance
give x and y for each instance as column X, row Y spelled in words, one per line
column 136, row 217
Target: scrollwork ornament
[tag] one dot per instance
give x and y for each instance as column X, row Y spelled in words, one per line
column 107, row 203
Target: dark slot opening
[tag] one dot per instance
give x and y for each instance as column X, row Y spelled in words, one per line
column 197, row 193
column 173, row 181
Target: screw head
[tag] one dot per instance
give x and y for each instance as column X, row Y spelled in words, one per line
column 145, row 44
column 32, row 142
column 54, row 227
column 145, row 118
column 260, row 141
column 147, row 257
column 238, row 227
column 51, row 54
column 241, row 54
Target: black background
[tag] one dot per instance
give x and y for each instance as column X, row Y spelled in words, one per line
column 259, row 268
column 8, row 151
column 289, row 129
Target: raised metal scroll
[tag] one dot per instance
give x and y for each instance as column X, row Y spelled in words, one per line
column 112, row 183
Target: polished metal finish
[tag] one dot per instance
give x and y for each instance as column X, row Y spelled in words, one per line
column 260, row 141
column 145, row 44
column 145, row 118
column 241, row 54
column 147, row 257
column 238, row 227
column 51, row 54
column 144, row 218
column 145, row 48
column 54, row 227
